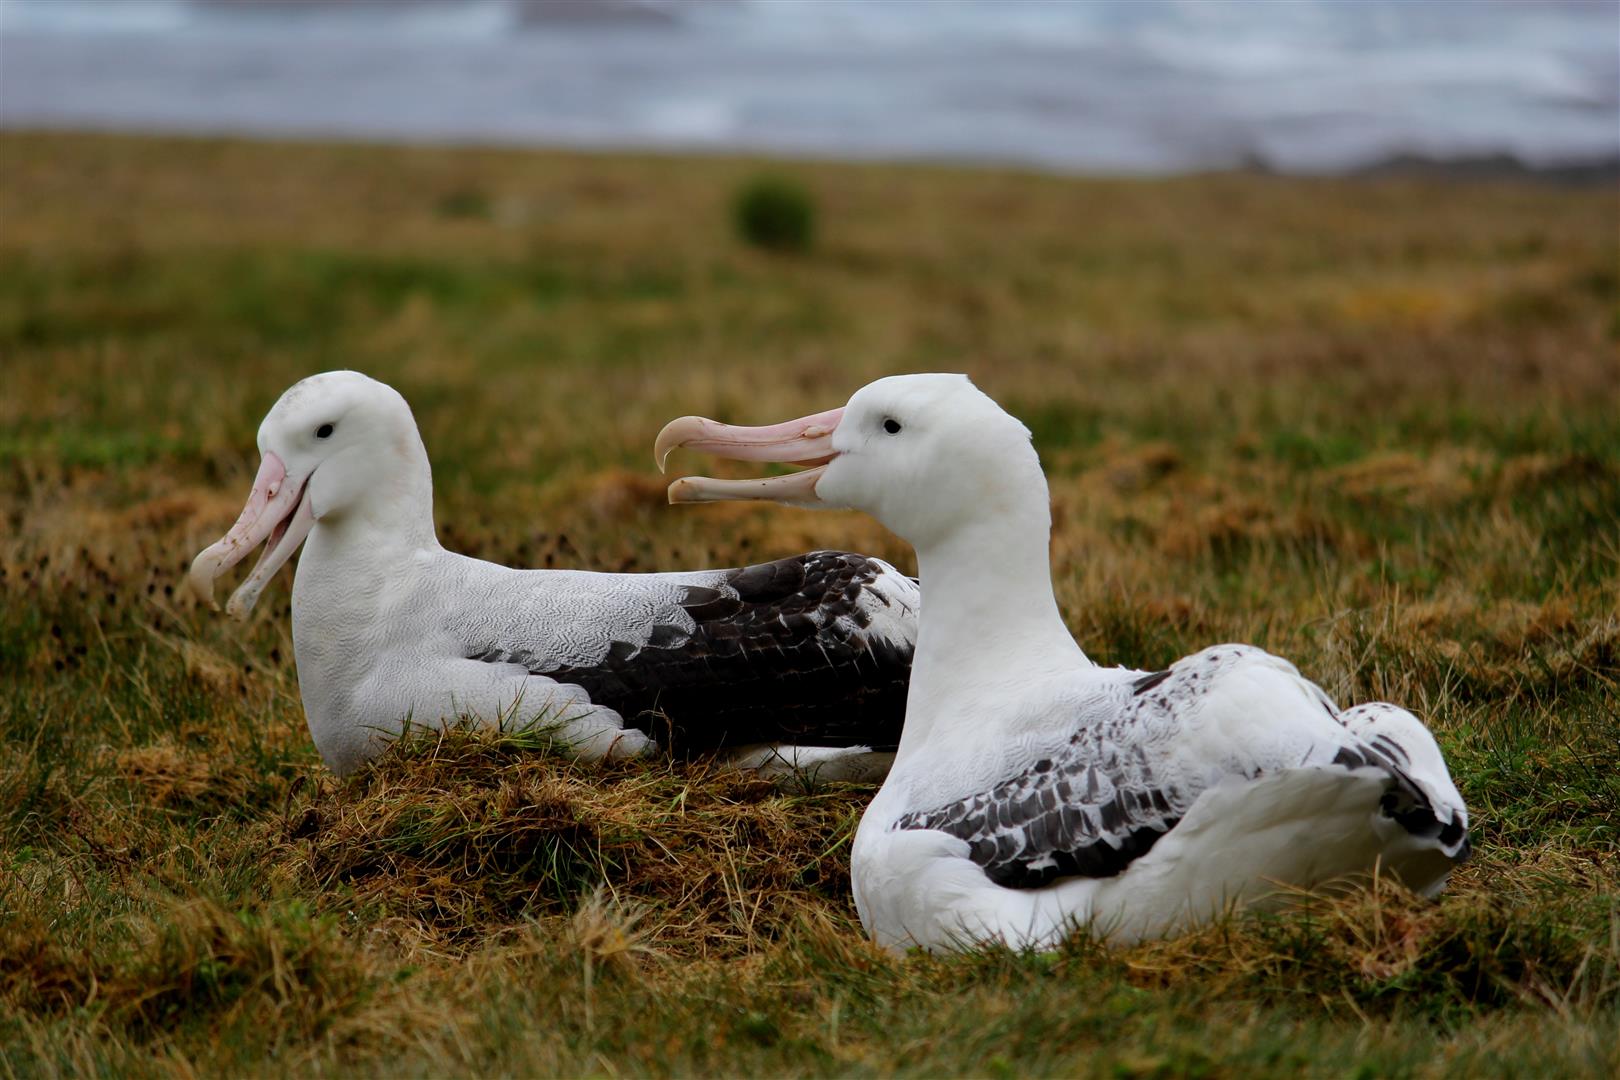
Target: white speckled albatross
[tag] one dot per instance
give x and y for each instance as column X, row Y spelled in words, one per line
column 796, row 665
column 1034, row 791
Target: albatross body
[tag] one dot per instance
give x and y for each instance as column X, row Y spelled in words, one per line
column 1033, row 791
column 794, row 665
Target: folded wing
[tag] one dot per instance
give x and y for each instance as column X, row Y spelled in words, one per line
column 813, row 650
column 1138, row 760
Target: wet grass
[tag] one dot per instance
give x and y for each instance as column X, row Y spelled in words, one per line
column 1371, row 426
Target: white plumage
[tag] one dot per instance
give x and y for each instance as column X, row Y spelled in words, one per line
column 1033, row 791
column 790, row 664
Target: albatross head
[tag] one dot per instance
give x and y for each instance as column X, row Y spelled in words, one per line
column 924, row 454
column 329, row 446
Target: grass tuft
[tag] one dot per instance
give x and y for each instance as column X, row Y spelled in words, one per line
column 774, row 213
column 461, row 830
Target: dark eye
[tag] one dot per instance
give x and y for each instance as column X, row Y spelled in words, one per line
column 891, row 425
column 324, row 431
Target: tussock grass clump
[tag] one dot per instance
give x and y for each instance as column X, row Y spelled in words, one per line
column 466, row 831
column 775, row 213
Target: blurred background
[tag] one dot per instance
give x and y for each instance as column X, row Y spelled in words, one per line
column 1099, row 86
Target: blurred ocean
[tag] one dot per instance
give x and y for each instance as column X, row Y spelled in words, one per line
column 1132, row 86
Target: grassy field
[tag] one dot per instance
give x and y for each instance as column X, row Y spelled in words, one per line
column 1372, row 426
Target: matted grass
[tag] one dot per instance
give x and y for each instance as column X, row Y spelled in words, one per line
column 1372, row 426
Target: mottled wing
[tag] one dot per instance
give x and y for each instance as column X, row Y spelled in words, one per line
column 1425, row 801
column 813, row 650
column 1131, row 772
column 1089, row 811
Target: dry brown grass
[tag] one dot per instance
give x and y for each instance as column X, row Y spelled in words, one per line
column 472, row 831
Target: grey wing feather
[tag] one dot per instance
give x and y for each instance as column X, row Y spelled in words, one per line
column 1130, row 772
column 1088, row 811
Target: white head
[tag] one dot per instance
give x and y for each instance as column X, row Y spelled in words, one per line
column 924, row 454
column 336, row 446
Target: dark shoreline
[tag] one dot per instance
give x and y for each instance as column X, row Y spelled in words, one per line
column 1483, row 168
column 1591, row 172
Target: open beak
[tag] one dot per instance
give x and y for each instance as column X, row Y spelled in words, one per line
column 277, row 515
column 806, row 441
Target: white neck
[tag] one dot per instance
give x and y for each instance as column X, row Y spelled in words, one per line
column 360, row 570
column 388, row 506
column 989, row 623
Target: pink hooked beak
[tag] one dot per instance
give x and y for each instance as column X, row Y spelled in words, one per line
column 806, row 441
column 277, row 512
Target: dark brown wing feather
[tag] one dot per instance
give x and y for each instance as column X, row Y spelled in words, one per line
column 785, row 652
